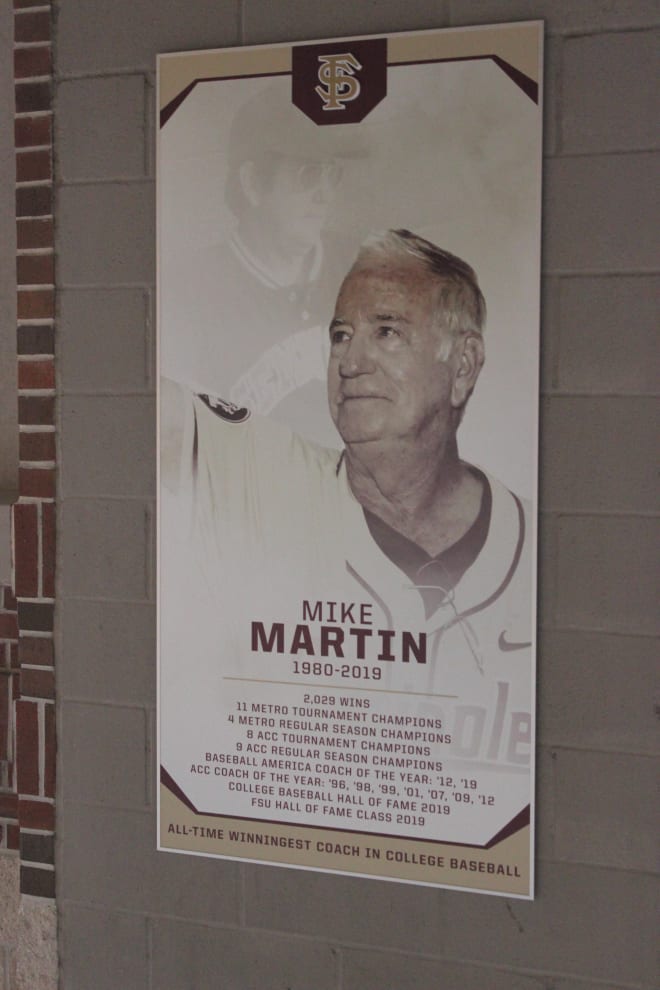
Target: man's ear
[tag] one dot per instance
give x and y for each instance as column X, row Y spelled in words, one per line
column 247, row 176
column 470, row 357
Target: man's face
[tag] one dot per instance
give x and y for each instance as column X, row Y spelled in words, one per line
column 390, row 372
column 297, row 198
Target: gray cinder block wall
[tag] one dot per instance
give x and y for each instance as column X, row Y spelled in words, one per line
column 133, row 918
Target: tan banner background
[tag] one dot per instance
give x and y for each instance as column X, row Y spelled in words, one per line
column 515, row 43
column 334, row 850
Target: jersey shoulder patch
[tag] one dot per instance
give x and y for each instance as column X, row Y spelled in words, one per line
column 228, row 411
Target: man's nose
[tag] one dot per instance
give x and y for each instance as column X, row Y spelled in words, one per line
column 357, row 358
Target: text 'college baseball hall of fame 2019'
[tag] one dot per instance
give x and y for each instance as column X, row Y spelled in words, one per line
column 348, row 308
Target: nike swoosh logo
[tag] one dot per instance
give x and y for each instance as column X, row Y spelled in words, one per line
column 507, row 646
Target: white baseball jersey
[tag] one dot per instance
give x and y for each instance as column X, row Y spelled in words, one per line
column 271, row 539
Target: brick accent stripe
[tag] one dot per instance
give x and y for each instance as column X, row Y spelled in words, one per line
column 27, row 672
column 9, row 692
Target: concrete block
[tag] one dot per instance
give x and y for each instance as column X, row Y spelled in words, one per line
column 598, row 214
column 584, row 470
column 105, row 234
column 549, row 333
column 188, row 957
column 103, row 548
column 108, row 651
column 587, row 15
column 608, row 334
column 102, row 340
column 90, row 939
column 108, row 858
column 100, row 128
column 610, row 92
column 386, row 971
column 36, row 948
column 10, row 896
column 569, row 984
column 547, row 565
column 606, row 809
column 585, row 922
column 151, row 123
column 7, row 968
column 128, row 35
column 344, row 908
column 544, row 825
column 296, row 20
column 108, row 446
column 102, row 752
column 552, row 105
column 608, row 574
column 599, row 691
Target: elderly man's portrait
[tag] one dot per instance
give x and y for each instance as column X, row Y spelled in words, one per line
column 436, row 552
column 348, row 392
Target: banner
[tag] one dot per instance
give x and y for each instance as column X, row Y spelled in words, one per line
column 348, row 349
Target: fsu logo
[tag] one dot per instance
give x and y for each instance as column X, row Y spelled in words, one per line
column 339, row 83
column 337, row 73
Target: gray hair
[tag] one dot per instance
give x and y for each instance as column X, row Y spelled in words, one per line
column 462, row 307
